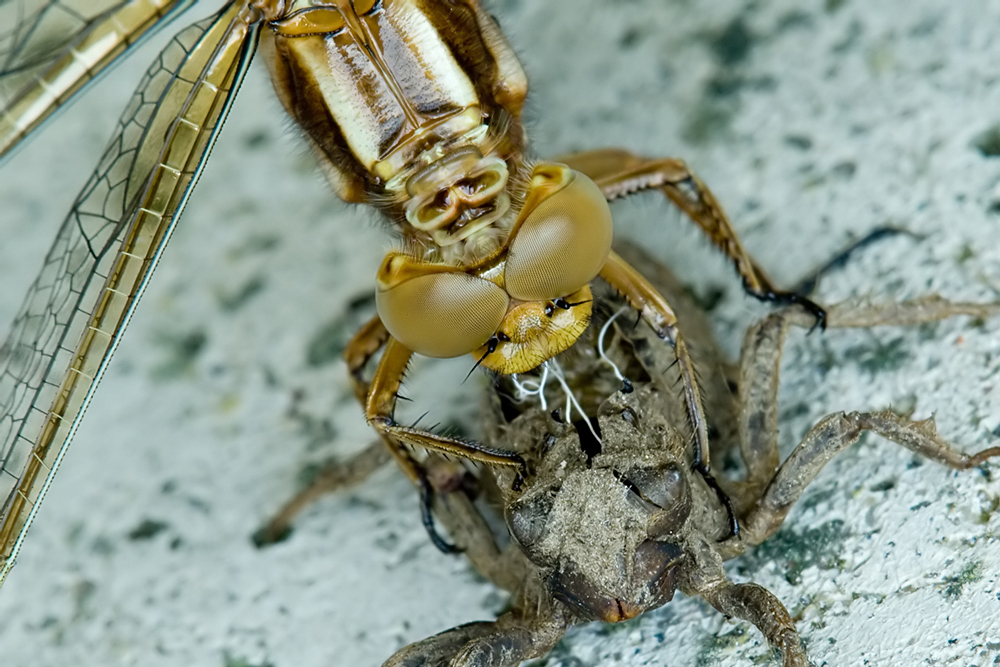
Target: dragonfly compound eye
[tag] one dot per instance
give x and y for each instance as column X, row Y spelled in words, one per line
column 563, row 237
column 435, row 310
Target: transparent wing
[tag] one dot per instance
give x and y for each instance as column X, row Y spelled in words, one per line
column 51, row 49
column 95, row 272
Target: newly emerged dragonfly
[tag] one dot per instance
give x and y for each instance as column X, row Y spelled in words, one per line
column 414, row 109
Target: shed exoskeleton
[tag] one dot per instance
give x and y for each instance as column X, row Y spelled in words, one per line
column 606, row 528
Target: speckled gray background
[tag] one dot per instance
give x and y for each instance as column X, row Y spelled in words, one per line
column 813, row 123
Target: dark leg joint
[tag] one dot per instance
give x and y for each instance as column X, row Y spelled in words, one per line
column 734, row 524
column 427, row 518
column 382, row 422
column 793, row 299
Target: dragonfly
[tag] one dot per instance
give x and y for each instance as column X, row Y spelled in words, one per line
column 413, row 109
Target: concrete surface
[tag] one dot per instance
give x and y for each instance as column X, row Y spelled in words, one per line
column 813, row 123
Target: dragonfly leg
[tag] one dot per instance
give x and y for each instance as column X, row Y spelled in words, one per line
column 655, row 310
column 772, row 487
column 362, row 347
column 339, row 475
column 381, row 405
column 620, row 173
column 365, row 344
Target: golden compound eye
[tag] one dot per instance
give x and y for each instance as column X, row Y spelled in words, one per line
column 434, row 310
column 563, row 242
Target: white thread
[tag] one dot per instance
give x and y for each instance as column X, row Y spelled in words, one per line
column 571, row 399
column 600, row 344
column 528, row 388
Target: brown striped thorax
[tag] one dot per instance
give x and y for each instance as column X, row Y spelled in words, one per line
column 415, row 108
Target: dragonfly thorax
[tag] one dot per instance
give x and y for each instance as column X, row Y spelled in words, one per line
column 410, row 108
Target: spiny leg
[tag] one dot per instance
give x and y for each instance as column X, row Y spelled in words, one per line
column 718, row 375
column 381, row 405
column 704, row 576
column 507, row 642
column 339, row 475
column 456, row 510
column 760, row 366
column 529, row 629
column 655, row 310
column 619, row 174
column 362, row 347
column 827, row 439
column 757, row 418
column 759, row 606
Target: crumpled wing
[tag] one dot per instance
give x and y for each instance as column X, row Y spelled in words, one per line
column 51, row 49
column 95, row 272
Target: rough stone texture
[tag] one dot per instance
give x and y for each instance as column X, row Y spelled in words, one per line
column 813, row 122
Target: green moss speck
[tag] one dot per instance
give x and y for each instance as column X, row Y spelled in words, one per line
column 615, row 629
column 876, row 356
column 709, row 299
column 826, row 360
column 560, row 656
column 964, row 254
column 799, row 550
column 147, row 529
column 987, row 512
column 732, row 45
column 233, row 301
column 970, row 574
column 714, row 648
column 928, row 331
column 181, row 351
column 256, row 139
column 328, row 343
column 708, row 121
column 632, row 36
column 817, row 497
column 318, row 432
column 884, row 485
column 794, row 411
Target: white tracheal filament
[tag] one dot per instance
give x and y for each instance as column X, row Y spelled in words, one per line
column 529, row 388
column 600, row 344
